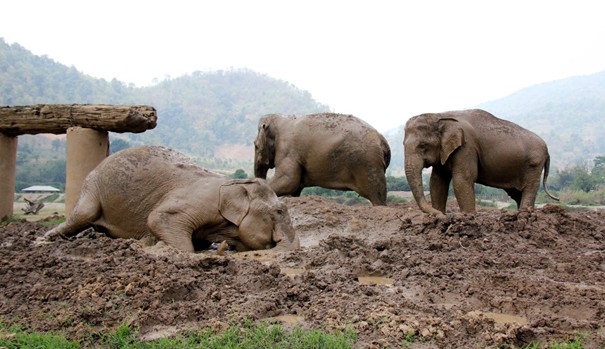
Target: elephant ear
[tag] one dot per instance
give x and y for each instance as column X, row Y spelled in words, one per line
column 234, row 201
column 452, row 137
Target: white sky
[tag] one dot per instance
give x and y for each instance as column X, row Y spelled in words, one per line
column 383, row 61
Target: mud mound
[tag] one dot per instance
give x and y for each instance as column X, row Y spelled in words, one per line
column 495, row 278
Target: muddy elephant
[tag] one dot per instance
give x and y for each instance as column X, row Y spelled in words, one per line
column 329, row 150
column 158, row 191
column 468, row 147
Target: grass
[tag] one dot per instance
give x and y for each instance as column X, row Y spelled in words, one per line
column 244, row 335
column 576, row 343
column 53, row 222
column 13, row 337
column 239, row 336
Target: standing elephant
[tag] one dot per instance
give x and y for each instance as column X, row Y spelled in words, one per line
column 158, row 191
column 333, row 151
column 473, row 146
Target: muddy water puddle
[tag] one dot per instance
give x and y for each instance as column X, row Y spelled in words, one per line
column 292, row 271
column 375, row 280
column 287, row 319
column 504, row 318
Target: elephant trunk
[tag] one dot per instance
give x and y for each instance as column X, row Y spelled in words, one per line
column 260, row 170
column 289, row 239
column 413, row 173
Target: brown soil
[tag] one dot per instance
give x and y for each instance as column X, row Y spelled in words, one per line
column 388, row 272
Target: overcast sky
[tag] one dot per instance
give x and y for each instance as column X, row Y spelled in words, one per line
column 383, row 61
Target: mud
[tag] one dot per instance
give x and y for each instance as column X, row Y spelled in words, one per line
column 498, row 279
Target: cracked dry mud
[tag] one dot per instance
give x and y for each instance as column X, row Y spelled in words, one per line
column 496, row 279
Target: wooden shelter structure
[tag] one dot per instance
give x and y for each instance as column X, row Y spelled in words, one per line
column 87, row 127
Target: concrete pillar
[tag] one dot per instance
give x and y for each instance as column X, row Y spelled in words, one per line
column 86, row 148
column 8, row 165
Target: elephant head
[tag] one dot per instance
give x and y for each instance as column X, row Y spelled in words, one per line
column 264, row 147
column 429, row 140
column 263, row 221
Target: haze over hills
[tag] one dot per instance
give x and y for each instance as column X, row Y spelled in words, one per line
column 197, row 113
column 214, row 114
column 569, row 114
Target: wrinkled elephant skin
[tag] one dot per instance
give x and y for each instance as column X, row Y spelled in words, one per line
column 468, row 147
column 154, row 190
column 329, row 150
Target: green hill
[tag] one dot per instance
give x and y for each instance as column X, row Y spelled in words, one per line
column 213, row 115
column 197, row 113
column 569, row 114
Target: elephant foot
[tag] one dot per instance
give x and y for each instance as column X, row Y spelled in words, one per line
column 41, row 240
column 438, row 215
column 433, row 218
column 222, row 248
column 52, row 235
column 523, row 218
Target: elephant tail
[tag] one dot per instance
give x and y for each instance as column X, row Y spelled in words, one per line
column 546, row 168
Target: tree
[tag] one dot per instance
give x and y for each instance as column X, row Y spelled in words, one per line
column 576, row 177
column 118, row 144
column 598, row 171
column 239, row 174
column 397, row 184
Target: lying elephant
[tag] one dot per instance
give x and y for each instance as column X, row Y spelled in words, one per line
column 158, row 191
column 333, row 151
column 468, row 147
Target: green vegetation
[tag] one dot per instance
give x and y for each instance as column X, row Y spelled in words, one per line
column 239, row 174
column 349, row 198
column 575, row 343
column 242, row 336
column 197, row 113
column 5, row 220
column 568, row 114
column 53, row 222
column 203, row 111
column 245, row 335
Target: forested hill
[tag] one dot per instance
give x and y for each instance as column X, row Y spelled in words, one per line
column 196, row 113
column 202, row 111
column 569, row 114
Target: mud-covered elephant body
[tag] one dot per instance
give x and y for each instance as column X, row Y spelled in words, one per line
column 329, row 150
column 468, row 147
column 158, row 191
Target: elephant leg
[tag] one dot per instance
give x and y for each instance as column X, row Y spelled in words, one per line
column 287, row 177
column 530, row 191
column 439, row 186
column 86, row 211
column 168, row 226
column 372, row 186
column 464, row 189
column 515, row 195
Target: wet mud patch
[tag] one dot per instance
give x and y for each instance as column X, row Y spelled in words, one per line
column 494, row 279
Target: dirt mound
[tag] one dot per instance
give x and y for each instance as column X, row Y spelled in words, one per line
column 469, row 281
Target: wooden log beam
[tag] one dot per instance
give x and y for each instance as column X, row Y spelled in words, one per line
column 57, row 118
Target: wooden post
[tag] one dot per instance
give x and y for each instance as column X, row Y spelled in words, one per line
column 8, row 164
column 86, row 148
column 87, row 127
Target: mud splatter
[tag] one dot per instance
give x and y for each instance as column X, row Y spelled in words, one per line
column 469, row 281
